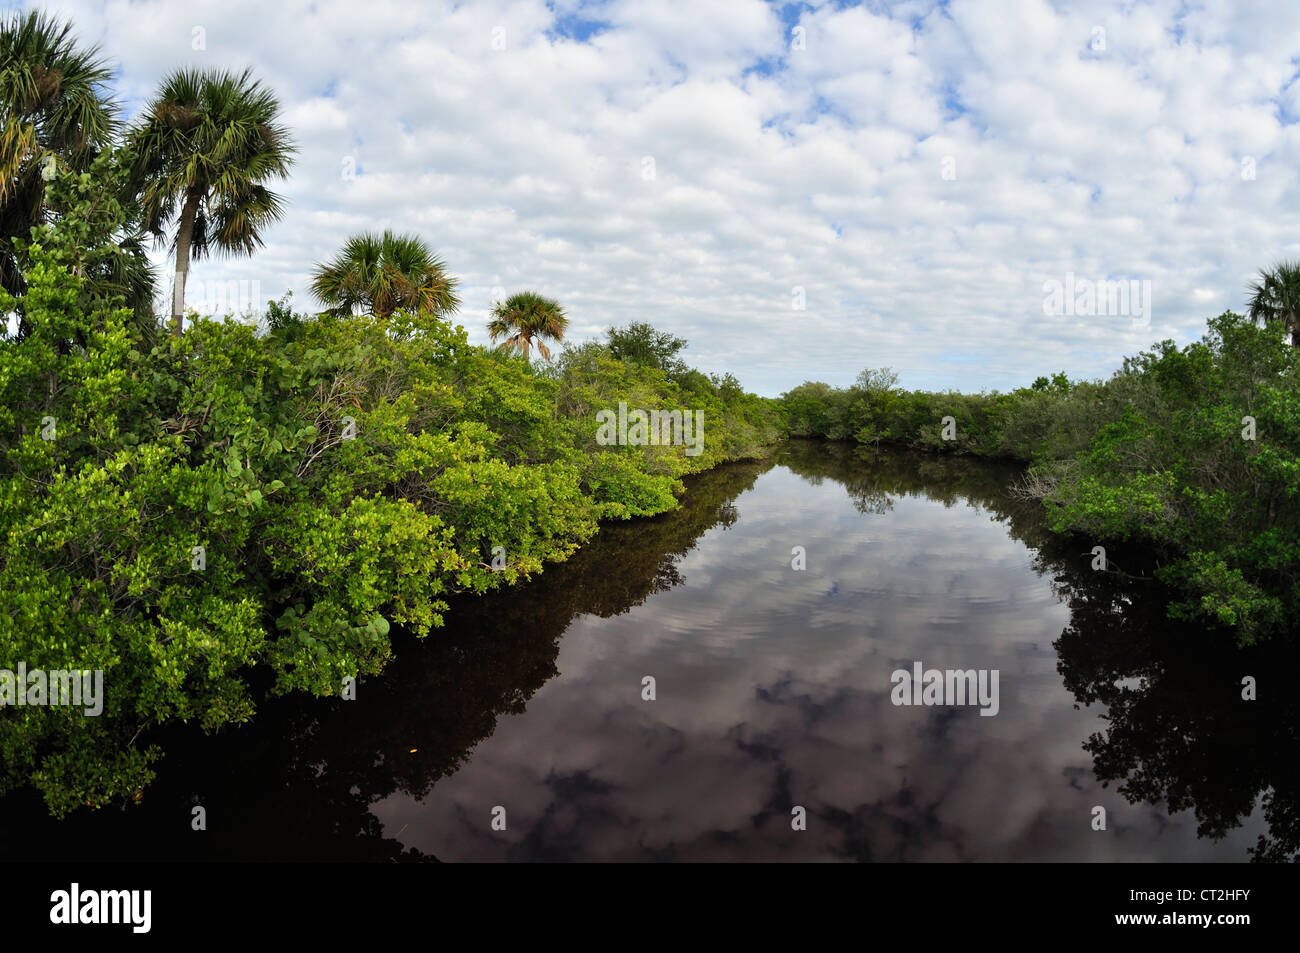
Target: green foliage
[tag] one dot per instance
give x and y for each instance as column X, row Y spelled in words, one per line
column 1183, row 469
column 640, row 343
column 58, row 127
column 232, row 502
column 280, row 316
column 54, row 108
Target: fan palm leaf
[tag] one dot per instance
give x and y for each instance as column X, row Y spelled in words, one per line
column 524, row 319
column 384, row 273
column 54, row 104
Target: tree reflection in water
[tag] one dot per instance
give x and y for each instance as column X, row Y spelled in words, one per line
column 1178, row 730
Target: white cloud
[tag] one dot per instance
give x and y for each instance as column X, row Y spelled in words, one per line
column 776, row 167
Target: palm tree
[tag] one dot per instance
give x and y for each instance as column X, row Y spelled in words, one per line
column 385, row 273
column 208, row 142
column 53, row 106
column 1276, row 296
column 525, row 316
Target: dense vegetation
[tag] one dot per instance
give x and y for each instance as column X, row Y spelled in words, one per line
column 1192, row 452
column 340, row 473
column 225, row 507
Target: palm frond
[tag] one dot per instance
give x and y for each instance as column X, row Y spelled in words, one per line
column 530, row 315
column 384, row 273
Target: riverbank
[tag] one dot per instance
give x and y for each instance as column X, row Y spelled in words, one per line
column 233, row 504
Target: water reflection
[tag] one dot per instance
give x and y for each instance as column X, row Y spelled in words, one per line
column 772, row 691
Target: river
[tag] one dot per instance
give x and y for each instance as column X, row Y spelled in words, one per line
column 772, row 733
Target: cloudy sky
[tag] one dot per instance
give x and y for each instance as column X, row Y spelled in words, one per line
column 801, row 190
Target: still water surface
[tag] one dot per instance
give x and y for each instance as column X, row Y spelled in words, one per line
column 772, row 691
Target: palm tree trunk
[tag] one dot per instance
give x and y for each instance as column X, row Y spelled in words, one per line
column 183, row 238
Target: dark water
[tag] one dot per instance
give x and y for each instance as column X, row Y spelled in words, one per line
column 772, row 691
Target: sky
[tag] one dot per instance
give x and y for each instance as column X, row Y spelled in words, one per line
column 800, row 190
